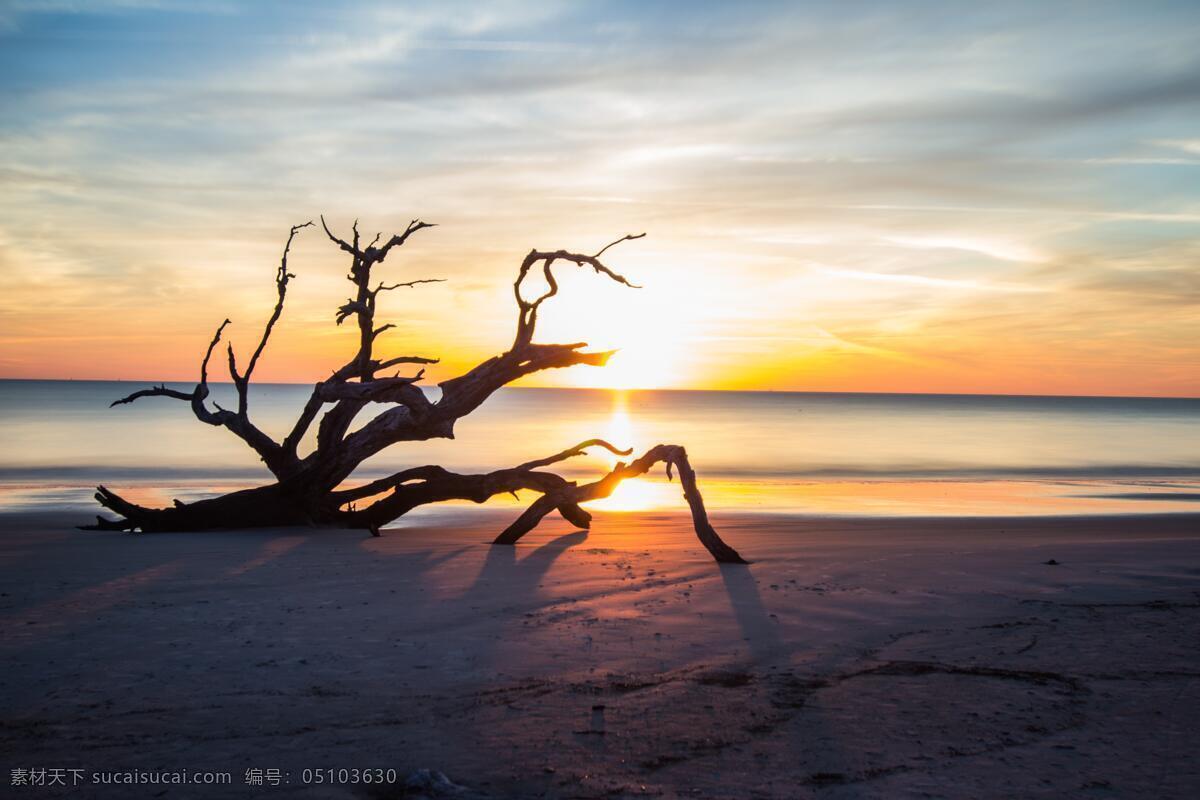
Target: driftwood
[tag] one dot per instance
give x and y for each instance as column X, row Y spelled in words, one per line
column 308, row 489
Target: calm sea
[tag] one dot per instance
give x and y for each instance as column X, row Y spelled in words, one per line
column 775, row 451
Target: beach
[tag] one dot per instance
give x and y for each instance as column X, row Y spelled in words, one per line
column 946, row 657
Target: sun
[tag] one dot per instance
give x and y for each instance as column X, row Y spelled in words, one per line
column 648, row 329
column 636, row 366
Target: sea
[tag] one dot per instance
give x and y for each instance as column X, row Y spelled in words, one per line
column 777, row 452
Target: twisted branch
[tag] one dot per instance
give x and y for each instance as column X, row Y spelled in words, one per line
column 417, row 486
column 280, row 462
column 306, row 490
column 527, row 318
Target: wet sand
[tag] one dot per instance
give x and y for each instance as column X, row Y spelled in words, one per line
column 854, row 658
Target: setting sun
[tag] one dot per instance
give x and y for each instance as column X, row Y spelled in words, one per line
column 652, row 328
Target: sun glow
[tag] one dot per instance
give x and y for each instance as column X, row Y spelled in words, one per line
column 636, row 367
column 635, row 494
column 651, row 330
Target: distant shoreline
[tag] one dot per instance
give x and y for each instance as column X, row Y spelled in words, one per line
column 800, row 392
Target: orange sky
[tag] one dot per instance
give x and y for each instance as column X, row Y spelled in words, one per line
column 693, row 325
column 984, row 208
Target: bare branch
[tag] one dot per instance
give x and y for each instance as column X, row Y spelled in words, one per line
column 430, row 484
column 626, row 238
column 195, row 396
column 281, row 282
column 238, row 423
column 670, row 455
column 391, row 362
column 157, row 391
column 528, row 309
column 233, row 370
column 323, row 390
column 407, row 284
column 462, row 395
column 577, row 450
column 291, row 442
column 380, row 390
column 348, row 308
column 337, row 421
column 339, row 242
column 201, row 392
column 410, row 488
column 377, row 255
column 351, row 369
column 208, row 353
column 385, row 484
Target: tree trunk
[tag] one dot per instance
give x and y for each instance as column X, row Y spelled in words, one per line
column 261, row 507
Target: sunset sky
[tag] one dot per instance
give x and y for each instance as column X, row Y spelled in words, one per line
column 925, row 197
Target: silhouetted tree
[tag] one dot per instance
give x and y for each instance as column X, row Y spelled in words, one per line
column 308, row 489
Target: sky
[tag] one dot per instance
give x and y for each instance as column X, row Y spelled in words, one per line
column 917, row 197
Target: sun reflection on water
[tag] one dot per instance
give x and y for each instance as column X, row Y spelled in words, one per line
column 635, row 494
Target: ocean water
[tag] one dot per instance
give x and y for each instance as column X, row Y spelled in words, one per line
column 758, row 451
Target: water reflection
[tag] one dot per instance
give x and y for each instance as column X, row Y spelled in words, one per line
column 635, row 494
column 764, row 451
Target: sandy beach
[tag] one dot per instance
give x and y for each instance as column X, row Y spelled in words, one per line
column 951, row 658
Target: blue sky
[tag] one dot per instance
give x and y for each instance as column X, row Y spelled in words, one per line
column 937, row 196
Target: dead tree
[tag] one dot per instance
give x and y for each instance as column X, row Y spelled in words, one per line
column 309, row 489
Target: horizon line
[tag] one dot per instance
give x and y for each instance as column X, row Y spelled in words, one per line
column 1016, row 395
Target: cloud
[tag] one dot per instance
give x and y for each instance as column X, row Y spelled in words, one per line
column 923, row 280
column 1187, row 145
column 995, row 248
column 1114, row 95
column 934, row 164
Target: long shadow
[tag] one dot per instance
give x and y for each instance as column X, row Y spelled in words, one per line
column 85, row 584
column 768, row 650
column 758, row 629
column 505, row 589
column 519, row 577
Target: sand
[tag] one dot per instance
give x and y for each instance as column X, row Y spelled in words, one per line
column 855, row 658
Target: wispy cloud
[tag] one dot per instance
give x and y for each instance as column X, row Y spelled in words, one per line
column 923, row 280
column 995, row 248
column 972, row 181
column 1187, row 145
